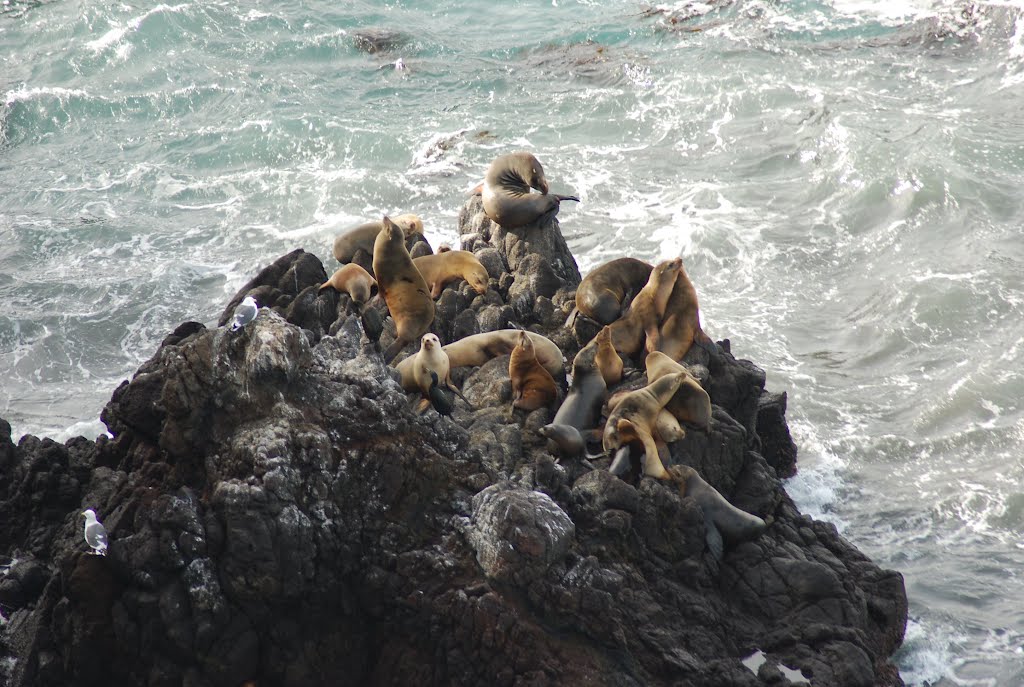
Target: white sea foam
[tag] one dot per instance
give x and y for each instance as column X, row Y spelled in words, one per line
column 25, row 94
column 815, row 487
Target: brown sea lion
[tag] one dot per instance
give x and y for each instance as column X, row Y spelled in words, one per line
column 419, row 371
column 444, row 267
column 638, row 329
column 363, row 236
column 633, row 421
column 507, row 199
column 691, row 402
column 606, row 291
column 479, row 348
column 532, row 386
column 721, row 518
column 402, row 288
column 607, row 358
column 353, row 280
column 680, row 325
column 666, row 427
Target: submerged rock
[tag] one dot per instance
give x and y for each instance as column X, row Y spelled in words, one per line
column 278, row 513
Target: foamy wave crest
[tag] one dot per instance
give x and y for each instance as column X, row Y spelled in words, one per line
column 926, row 655
column 816, row 485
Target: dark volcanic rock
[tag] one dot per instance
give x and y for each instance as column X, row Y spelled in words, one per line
column 278, row 514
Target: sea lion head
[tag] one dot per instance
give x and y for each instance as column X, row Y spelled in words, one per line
column 525, row 342
column 532, row 172
column 430, row 342
column 410, row 224
column 668, row 269
column 477, row 278
column 392, row 231
column 604, row 337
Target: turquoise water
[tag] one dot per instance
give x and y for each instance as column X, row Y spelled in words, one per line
column 843, row 180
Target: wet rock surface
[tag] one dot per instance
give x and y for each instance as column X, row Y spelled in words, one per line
column 277, row 513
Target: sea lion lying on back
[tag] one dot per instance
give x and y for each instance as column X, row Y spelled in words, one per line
column 363, row 236
column 479, row 348
column 447, row 266
column 402, row 288
column 606, row 291
column 506, row 191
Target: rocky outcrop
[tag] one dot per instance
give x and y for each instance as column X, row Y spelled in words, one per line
column 278, row 514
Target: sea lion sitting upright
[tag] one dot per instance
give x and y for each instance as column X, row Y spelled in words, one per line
column 640, row 323
column 364, row 235
column 633, row 421
column 402, row 288
column 691, row 402
column 506, row 191
column 721, row 518
column 582, row 406
column 443, row 267
column 607, row 358
column 353, row 280
column 606, row 291
column 532, row 386
column 680, row 327
column 429, row 363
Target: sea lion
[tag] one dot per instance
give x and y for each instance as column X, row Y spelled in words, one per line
column 666, row 427
column 418, row 371
column 680, row 326
column 582, row 406
column 691, row 402
column 567, row 439
column 606, row 291
column 721, row 518
column 364, row 235
column 532, row 386
column 479, row 348
column 645, row 312
column 402, row 288
column 447, row 266
column 353, row 280
column 633, row 421
column 506, row 191
column 607, row 358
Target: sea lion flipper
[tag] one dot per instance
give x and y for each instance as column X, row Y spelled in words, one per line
column 561, row 198
column 458, row 393
column 394, row 349
column 621, row 463
column 713, row 538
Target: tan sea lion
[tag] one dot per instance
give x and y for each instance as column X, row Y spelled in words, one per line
column 402, row 288
column 721, row 518
column 606, row 291
column 444, row 267
column 633, row 422
column 666, row 427
column 532, row 386
column 607, row 358
column 680, row 325
column 691, row 402
column 582, row 405
column 430, row 363
column 638, row 329
column 353, row 280
column 363, row 236
column 479, row 348
column 506, row 191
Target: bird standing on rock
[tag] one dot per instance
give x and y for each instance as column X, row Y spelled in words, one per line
column 95, row 533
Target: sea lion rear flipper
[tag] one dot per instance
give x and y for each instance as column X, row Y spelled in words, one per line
column 713, row 538
column 561, row 198
column 394, row 349
column 571, row 320
column 458, row 393
column 621, row 464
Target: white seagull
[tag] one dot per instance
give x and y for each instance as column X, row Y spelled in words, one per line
column 95, row 533
column 244, row 313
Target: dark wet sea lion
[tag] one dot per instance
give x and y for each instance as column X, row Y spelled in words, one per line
column 506, row 191
column 606, row 291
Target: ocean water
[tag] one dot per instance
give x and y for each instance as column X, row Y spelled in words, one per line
column 844, row 181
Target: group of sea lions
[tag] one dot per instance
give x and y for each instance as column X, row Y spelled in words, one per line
column 640, row 307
